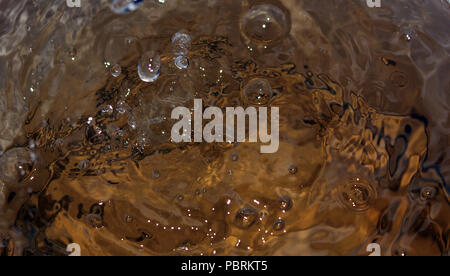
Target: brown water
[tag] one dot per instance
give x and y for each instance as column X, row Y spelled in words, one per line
column 364, row 151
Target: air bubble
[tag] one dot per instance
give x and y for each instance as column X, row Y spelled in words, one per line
column 401, row 252
column 182, row 62
column 293, row 169
column 156, row 174
column 245, row 218
column 264, row 24
column 129, row 219
column 132, row 122
column 180, row 198
column 84, row 165
column 116, row 70
column 108, row 110
column 149, row 66
column 279, row 225
column 357, row 194
column 428, row 193
column 125, row 6
column 234, row 157
column 181, row 42
column 285, row 203
column 258, row 92
column 122, row 107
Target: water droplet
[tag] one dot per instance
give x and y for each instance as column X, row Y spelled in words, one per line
column 182, row 62
column 245, row 218
column 149, row 66
column 293, row 169
column 279, row 225
column 264, row 24
column 181, row 42
column 285, row 203
column 357, row 194
column 116, row 70
column 125, row 6
column 258, row 92
column 132, row 122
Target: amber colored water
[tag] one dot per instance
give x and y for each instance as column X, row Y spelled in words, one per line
column 364, row 155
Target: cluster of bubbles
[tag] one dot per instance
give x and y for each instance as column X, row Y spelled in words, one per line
column 246, row 217
column 149, row 66
column 181, row 42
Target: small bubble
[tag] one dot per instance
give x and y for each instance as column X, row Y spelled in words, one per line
column 234, row 157
column 72, row 54
column 116, row 70
column 285, row 203
column 263, row 215
column 181, row 42
column 180, row 197
column 156, row 174
column 149, row 66
column 264, row 24
column 245, row 218
column 84, row 165
column 293, row 169
column 182, row 62
column 128, row 219
column 428, row 193
column 401, row 252
column 279, row 225
column 122, row 107
column 132, row 122
column 258, row 92
column 108, row 110
column 408, row 33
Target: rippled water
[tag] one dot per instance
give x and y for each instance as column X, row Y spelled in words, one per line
column 85, row 101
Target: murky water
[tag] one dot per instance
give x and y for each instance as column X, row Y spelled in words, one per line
column 86, row 96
